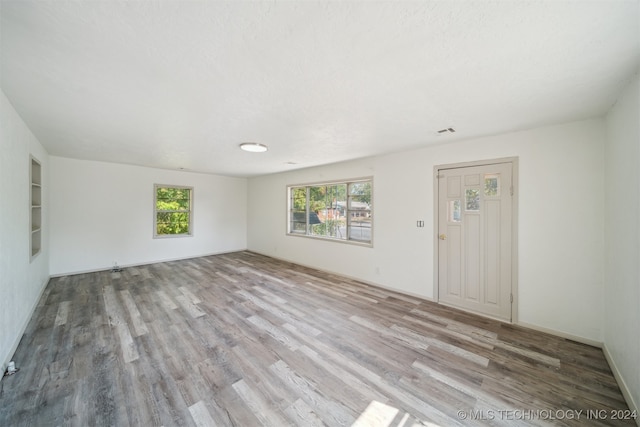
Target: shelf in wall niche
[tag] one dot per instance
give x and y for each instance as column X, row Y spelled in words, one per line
column 35, row 197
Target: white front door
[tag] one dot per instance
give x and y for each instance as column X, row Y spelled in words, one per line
column 474, row 238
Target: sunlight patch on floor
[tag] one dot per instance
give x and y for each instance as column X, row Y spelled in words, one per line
column 379, row 414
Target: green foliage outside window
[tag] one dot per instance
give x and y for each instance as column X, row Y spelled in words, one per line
column 329, row 228
column 328, row 201
column 173, row 211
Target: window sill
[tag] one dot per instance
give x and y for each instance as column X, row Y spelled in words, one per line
column 329, row 239
column 170, row 236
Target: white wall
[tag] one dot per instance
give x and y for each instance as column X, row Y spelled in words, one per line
column 102, row 213
column 560, row 221
column 622, row 231
column 21, row 280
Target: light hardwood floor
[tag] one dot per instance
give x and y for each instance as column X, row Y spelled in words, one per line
column 245, row 340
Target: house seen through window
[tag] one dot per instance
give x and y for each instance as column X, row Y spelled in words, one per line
column 340, row 210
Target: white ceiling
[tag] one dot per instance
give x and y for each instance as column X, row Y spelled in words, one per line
column 180, row 84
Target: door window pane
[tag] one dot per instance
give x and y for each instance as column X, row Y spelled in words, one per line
column 472, row 199
column 492, row 185
column 454, row 210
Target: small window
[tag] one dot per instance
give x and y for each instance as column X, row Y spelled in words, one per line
column 173, row 211
column 339, row 211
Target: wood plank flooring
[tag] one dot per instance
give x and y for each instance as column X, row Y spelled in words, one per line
column 245, row 340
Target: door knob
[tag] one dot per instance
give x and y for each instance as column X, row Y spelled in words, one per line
column 443, row 237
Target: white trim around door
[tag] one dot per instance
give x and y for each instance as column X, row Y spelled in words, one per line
column 476, row 237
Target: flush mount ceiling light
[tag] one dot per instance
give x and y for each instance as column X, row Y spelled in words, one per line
column 253, row 147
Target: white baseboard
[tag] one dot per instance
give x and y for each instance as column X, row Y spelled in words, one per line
column 375, row 285
column 561, row 334
column 626, row 393
column 16, row 342
column 138, row 264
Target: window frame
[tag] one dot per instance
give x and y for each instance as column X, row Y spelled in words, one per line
column 156, row 211
column 348, row 210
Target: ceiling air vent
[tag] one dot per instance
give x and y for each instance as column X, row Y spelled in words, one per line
column 447, row 130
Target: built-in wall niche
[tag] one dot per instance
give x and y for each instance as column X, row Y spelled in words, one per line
column 35, row 170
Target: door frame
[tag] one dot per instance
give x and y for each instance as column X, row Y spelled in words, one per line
column 514, row 227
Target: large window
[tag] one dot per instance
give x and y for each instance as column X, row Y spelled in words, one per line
column 338, row 210
column 173, row 207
